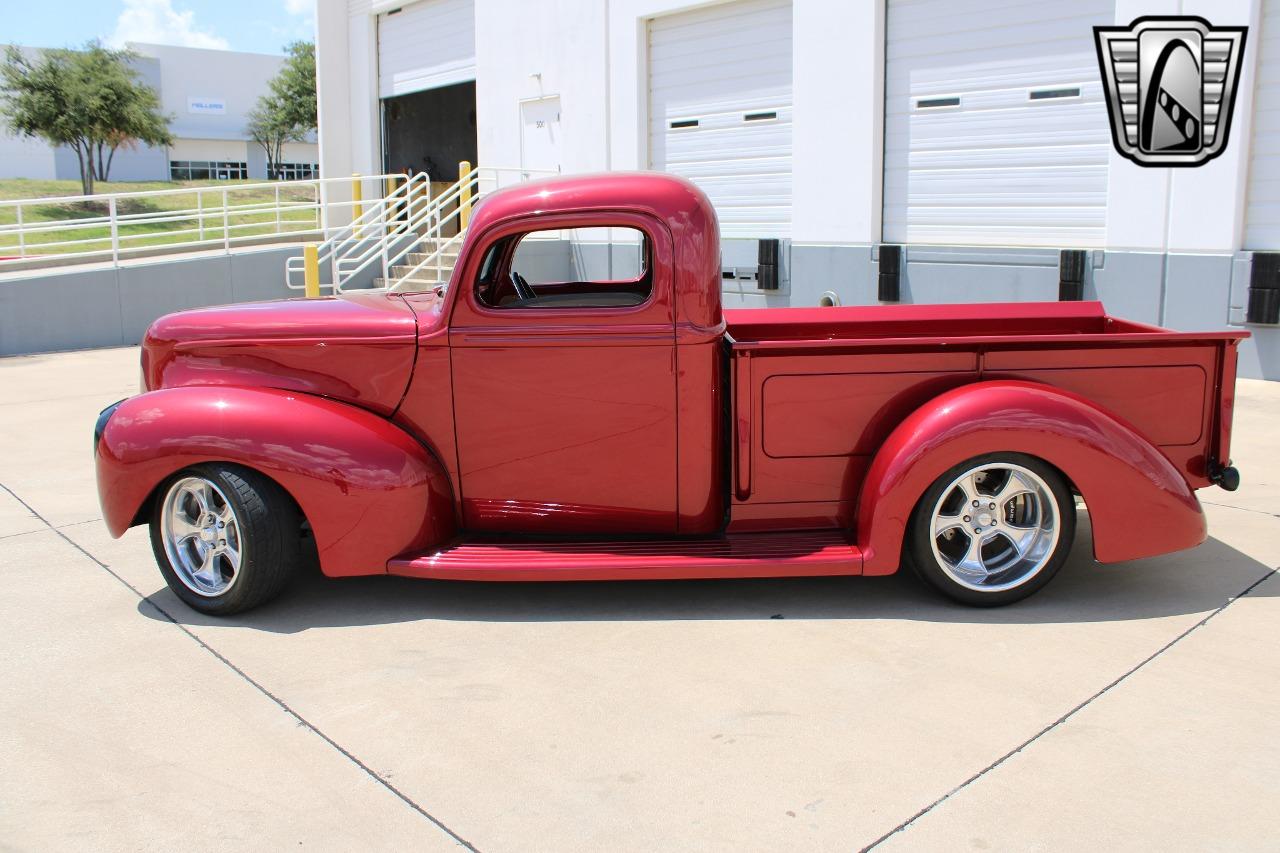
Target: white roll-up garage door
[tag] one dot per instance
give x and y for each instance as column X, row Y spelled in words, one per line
column 720, row 109
column 425, row 45
column 996, row 129
column 1262, row 217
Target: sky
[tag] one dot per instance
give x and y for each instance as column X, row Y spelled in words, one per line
column 257, row 26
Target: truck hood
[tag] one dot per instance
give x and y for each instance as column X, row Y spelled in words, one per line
column 357, row 347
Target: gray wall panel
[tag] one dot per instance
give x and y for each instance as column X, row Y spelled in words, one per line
column 1197, row 292
column 148, row 291
column 544, row 260
column 847, row 271
column 66, row 166
column 939, row 281
column 256, row 161
column 1260, row 354
column 58, row 312
column 141, row 164
column 1128, row 283
column 260, row 275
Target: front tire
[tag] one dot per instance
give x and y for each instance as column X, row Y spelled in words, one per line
column 993, row 530
column 226, row 538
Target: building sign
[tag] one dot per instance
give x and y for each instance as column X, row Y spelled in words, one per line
column 1170, row 85
column 207, row 106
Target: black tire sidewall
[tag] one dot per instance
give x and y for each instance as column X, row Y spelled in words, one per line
column 919, row 533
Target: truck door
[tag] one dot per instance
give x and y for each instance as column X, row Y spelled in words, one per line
column 562, row 345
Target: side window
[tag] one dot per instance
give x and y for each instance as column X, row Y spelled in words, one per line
column 572, row 268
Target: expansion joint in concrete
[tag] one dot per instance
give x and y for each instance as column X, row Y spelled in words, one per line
column 906, row 824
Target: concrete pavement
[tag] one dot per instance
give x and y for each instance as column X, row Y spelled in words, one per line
column 1124, row 705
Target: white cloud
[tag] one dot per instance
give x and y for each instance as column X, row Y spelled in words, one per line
column 157, row 22
column 304, row 25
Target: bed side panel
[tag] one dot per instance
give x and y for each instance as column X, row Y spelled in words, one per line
column 1167, row 394
column 815, row 421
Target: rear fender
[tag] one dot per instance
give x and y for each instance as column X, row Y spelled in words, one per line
column 1139, row 504
column 369, row 490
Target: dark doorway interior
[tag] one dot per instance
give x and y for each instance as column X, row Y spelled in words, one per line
column 431, row 131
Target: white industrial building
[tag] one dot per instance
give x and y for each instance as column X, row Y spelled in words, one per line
column 971, row 133
column 208, row 95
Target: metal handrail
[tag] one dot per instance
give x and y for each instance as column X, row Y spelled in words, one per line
column 349, row 230
column 356, row 244
column 470, row 184
column 211, row 223
column 372, row 239
column 434, row 258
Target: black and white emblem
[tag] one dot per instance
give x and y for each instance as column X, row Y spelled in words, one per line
column 1170, row 86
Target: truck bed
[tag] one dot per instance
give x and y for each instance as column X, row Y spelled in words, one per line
column 818, row 390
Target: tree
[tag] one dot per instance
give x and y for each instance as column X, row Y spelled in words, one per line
column 90, row 100
column 287, row 112
column 268, row 128
column 295, row 85
column 133, row 107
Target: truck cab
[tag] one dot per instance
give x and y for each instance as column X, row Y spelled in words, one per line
column 569, row 394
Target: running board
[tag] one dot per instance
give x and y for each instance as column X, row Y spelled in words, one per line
column 744, row 555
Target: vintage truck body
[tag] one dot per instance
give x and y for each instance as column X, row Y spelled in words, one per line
column 447, row 435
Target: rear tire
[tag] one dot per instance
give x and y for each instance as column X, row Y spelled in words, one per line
column 993, row 529
column 226, row 538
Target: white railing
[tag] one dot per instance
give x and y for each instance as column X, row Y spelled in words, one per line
column 406, row 221
column 112, row 227
column 380, row 233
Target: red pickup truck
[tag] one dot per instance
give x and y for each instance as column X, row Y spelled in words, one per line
column 622, row 425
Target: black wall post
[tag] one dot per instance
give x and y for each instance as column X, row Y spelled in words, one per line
column 890, row 289
column 1071, row 275
column 1264, row 289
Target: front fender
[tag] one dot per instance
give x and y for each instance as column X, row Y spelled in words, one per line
column 1139, row 504
column 369, row 490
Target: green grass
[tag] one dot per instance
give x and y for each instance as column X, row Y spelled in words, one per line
column 140, row 234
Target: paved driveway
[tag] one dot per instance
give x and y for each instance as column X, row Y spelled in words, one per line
column 1131, row 705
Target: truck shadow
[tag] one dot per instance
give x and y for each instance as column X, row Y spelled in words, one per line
column 1084, row 591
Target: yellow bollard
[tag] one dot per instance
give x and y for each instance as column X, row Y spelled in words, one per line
column 388, row 187
column 311, row 269
column 464, row 198
column 357, row 196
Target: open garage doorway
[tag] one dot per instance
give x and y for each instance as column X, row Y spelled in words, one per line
column 430, row 131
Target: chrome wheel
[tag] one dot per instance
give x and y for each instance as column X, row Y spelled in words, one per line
column 995, row 527
column 201, row 536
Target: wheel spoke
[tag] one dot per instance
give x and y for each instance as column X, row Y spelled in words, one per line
column 943, row 523
column 224, row 569
column 1019, row 537
column 208, row 565
column 200, row 494
column 183, row 528
column 972, row 559
column 232, row 552
column 1015, row 485
column 968, row 486
column 191, row 553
